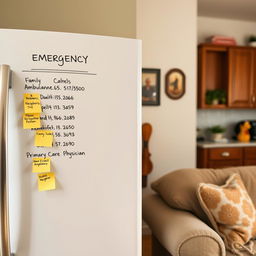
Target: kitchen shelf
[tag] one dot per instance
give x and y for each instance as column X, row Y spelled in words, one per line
column 219, row 106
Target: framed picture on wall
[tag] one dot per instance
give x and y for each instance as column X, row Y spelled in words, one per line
column 175, row 82
column 150, row 87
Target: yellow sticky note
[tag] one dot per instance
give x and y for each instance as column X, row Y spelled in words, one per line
column 32, row 103
column 43, row 138
column 41, row 164
column 31, row 121
column 46, row 181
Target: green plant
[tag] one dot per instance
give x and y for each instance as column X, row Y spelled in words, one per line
column 218, row 94
column 252, row 38
column 217, row 129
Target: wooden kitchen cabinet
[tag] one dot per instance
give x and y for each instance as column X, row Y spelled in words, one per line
column 225, row 157
column 241, row 78
column 231, row 69
column 250, row 156
column 212, row 72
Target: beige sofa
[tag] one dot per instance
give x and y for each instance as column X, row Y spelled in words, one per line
column 179, row 232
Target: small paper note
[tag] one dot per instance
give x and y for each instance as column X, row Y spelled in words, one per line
column 41, row 164
column 31, row 121
column 32, row 103
column 46, row 181
column 43, row 138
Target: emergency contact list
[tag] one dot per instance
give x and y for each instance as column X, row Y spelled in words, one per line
column 59, row 94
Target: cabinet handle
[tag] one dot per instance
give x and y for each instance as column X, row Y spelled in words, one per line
column 253, row 99
column 225, row 154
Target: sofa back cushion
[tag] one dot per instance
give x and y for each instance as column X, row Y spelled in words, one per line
column 178, row 188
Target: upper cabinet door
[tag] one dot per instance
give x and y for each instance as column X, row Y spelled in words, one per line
column 212, row 73
column 241, row 78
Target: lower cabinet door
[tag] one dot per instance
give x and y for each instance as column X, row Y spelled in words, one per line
column 250, row 154
column 224, row 163
column 250, row 162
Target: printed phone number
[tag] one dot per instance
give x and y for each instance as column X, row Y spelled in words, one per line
column 58, row 107
column 73, row 88
column 58, row 118
column 57, row 127
column 64, row 144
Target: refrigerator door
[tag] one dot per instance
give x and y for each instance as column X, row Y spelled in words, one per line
column 89, row 88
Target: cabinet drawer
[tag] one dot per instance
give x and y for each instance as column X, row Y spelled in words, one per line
column 225, row 153
column 250, row 153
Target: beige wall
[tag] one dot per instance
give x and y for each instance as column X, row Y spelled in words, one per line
column 215, row 26
column 168, row 30
column 102, row 17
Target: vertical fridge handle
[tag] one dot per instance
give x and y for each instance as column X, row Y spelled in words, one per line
column 4, row 194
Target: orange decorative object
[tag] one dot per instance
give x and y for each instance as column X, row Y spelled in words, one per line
column 244, row 134
column 147, row 165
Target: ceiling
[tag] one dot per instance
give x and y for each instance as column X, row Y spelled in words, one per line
column 230, row 9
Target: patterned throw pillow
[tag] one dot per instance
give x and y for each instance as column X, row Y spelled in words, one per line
column 231, row 212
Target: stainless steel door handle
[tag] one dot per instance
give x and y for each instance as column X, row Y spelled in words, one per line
column 4, row 193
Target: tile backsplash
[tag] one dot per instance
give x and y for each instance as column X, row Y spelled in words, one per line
column 227, row 118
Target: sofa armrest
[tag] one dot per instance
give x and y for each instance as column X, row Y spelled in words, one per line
column 180, row 232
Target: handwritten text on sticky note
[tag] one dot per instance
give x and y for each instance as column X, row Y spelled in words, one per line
column 43, row 138
column 32, row 103
column 31, row 121
column 41, row 164
column 46, row 181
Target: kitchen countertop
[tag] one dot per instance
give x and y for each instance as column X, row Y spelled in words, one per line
column 229, row 144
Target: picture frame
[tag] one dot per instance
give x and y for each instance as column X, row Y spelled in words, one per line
column 150, row 87
column 175, row 84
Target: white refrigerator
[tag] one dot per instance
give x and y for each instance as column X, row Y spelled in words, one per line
column 88, row 88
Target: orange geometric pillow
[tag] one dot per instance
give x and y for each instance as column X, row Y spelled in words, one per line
column 231, row 212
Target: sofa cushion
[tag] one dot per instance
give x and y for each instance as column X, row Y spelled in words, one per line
column 178, row 188
column 231, row 212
